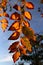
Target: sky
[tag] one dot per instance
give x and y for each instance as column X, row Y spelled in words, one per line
column 36, row 23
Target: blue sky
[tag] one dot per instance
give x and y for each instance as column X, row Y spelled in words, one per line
column 36, row 23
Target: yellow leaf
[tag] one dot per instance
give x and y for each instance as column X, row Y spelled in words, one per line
column 5, row 14
column 4, row 20
column 26, row 43
column 4, row 26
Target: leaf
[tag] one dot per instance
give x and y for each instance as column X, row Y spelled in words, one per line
column 14, row 36
column 4, row 26
column 4, row 3
column 4, row 20
column 15, row 16
column 28, row 32
column 1, row 9
column 15, row 26
column 22, row 49
column 26, row 43
column 14, row 46
column 5, row 14
column 29, row 5
column 26, row 23
column 13, row 50
column 16, row 7
column 27, row 15
column 16, row 56
column 1, row 12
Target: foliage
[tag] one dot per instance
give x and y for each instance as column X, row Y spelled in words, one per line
column 36, row 57
column 21, row 26
column 28, row 45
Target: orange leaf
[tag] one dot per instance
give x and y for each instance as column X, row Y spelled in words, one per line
column 1, row 12
column 4, row 3
column 26, row 23
column 22, row 50
column 13, row 46
column 13, row 50
column 16, row 7
column 28, row 15
column 1, row 9
column 14, row 36
column 16, row 56
column 15, row 26
column 5, row 14
column 29, row 5
column 15, row 16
